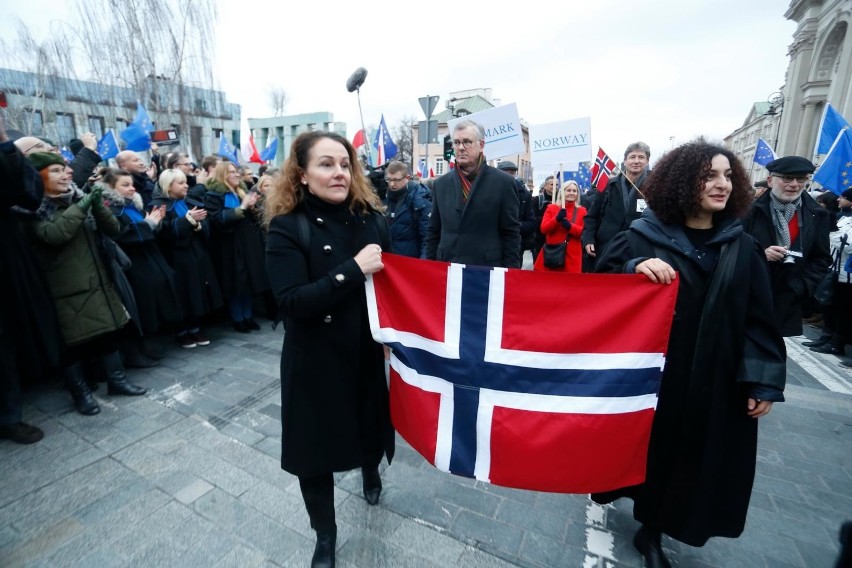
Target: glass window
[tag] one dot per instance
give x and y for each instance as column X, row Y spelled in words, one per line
column 96, row 126
column 439, row 166
column 65, row 128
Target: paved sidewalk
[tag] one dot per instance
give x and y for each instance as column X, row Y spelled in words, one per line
column 188, row 476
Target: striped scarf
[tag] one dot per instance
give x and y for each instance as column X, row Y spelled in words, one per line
column 781, row 215
column 467, row 180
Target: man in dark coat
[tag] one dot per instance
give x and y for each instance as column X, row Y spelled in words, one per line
column 143, row 176
column 526, row 217
column 474, row 208
column 30, row 340
column 792, row 229
column 407, row 210
column 619, row 204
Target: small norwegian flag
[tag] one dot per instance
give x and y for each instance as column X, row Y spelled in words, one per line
column 602, row 170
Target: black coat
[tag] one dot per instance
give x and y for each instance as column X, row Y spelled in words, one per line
column 482, row 231
column 724, row 347
column 236, row 245
column 793, row 283
column 83, row 165
column 29, row 329
column 611, row 212
column 335, row 413
column 150, row 276
column 186, row 251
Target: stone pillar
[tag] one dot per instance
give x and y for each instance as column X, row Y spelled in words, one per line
column 805, row 141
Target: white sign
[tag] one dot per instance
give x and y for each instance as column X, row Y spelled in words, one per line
column 566, row 142
column 503, row 136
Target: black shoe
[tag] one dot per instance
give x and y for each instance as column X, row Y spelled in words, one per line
column 241, row 327
column 152, row 353
column 251, row 324
column 117, row 377
column 817, row 342
column 84, row 402
column 372, row 483
column 21, row 433
column 324, row 551
column 136, row 360
column 648, row 544
column 829, row 348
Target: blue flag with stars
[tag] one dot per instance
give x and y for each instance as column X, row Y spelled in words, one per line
column 384, row 144
column 270, row 151
column 108, row 145
column 835, row 173
column 66, row 153
column 582, row 176
column 763, row 153
column 226, row 150
column 832, row 123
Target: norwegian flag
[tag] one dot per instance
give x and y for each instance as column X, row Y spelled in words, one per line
column 489, row 382
column 602, row 170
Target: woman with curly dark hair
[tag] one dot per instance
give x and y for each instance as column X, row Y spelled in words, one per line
column 326, row 235
column 726, row 358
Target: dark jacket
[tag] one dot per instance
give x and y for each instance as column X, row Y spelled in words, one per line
column 612, row 211
column 723, row 347
column 526, row 216
column 484, row 230
column 186, row 250
column 29, row 329
column 793, row 283
column 539, row 206
column 66, row 244
column 144, row 187
column 407, row 212
column 150, row 276
column 335, row 413
column 236, row 245
column 83, row 165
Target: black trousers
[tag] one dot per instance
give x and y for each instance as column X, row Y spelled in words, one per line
column 10, row 383
column 318, row 494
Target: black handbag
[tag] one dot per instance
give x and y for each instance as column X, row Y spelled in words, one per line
column 824, row 291
column 554, row 255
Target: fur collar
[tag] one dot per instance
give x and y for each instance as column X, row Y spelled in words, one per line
column 113, row 199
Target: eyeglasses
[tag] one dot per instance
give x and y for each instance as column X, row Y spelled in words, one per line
column 394, row 180
column 789, row 179
column 462, row 143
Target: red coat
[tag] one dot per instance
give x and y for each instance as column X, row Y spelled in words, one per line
column 554, row 233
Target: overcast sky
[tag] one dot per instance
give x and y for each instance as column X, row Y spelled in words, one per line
column 641, row 70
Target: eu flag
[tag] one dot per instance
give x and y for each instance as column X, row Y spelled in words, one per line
column 763, row 153
column 832, row 123
column 835, row 173
column 383, row 143
column 226, row 150
column 108, row 145
column 270, row 151
column 582, row 176
column 136, row 136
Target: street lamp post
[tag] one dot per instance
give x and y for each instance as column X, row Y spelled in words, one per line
column 776, row 107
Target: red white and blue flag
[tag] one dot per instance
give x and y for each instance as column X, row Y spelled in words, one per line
column 488, row 381
column 602, row 170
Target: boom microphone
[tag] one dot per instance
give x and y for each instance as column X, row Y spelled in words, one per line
column 354, row 82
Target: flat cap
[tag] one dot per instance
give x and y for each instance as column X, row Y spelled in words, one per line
column 507, row 165
column 791, row 165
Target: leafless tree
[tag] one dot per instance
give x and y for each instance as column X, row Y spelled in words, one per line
column 277, row 98
column 403, row 137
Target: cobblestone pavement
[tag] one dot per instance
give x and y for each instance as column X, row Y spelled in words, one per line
column 189, row 476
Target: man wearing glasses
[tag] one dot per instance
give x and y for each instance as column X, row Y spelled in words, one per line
column 407, row 209
column 792, row 229
column 474, row 208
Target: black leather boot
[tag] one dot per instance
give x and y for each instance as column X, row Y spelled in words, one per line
column 819, row 342
column 117, row 377
column 648, row 543
column 318, row 493
column 372, row 484
column 84, row 402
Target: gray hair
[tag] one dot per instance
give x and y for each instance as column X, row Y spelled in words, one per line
column 638, row 147
column 465, row 123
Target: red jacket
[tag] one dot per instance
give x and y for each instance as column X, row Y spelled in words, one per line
column 555, row 233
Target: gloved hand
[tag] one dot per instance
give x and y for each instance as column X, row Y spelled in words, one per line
column 90, row 198
column 561, row 215
column 566, row 223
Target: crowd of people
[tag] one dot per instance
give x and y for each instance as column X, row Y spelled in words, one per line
column 103, row 258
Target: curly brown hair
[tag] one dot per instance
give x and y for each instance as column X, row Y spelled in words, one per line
column 289, row 191
column 673, row 188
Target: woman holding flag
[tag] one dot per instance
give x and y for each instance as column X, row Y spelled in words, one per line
column 326, row 234
column 563, row 223
column 726, row 359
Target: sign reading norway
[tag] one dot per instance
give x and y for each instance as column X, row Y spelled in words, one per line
column 502, row 130
column 566, row 142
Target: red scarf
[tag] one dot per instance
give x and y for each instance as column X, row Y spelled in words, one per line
column 467, row 181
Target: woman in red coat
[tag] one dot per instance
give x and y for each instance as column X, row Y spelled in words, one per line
column 561, row 222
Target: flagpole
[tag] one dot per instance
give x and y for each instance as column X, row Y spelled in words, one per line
column 629, row 181
column 562, row 185
column 363, row 127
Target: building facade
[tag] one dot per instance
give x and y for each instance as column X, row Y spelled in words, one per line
column 763, row 121
column 60, row 109
column 286, row 128
column 820, row 71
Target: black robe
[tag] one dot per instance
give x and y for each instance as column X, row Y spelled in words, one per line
column 724, row 347
column 335, row 413
column 186, row 251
